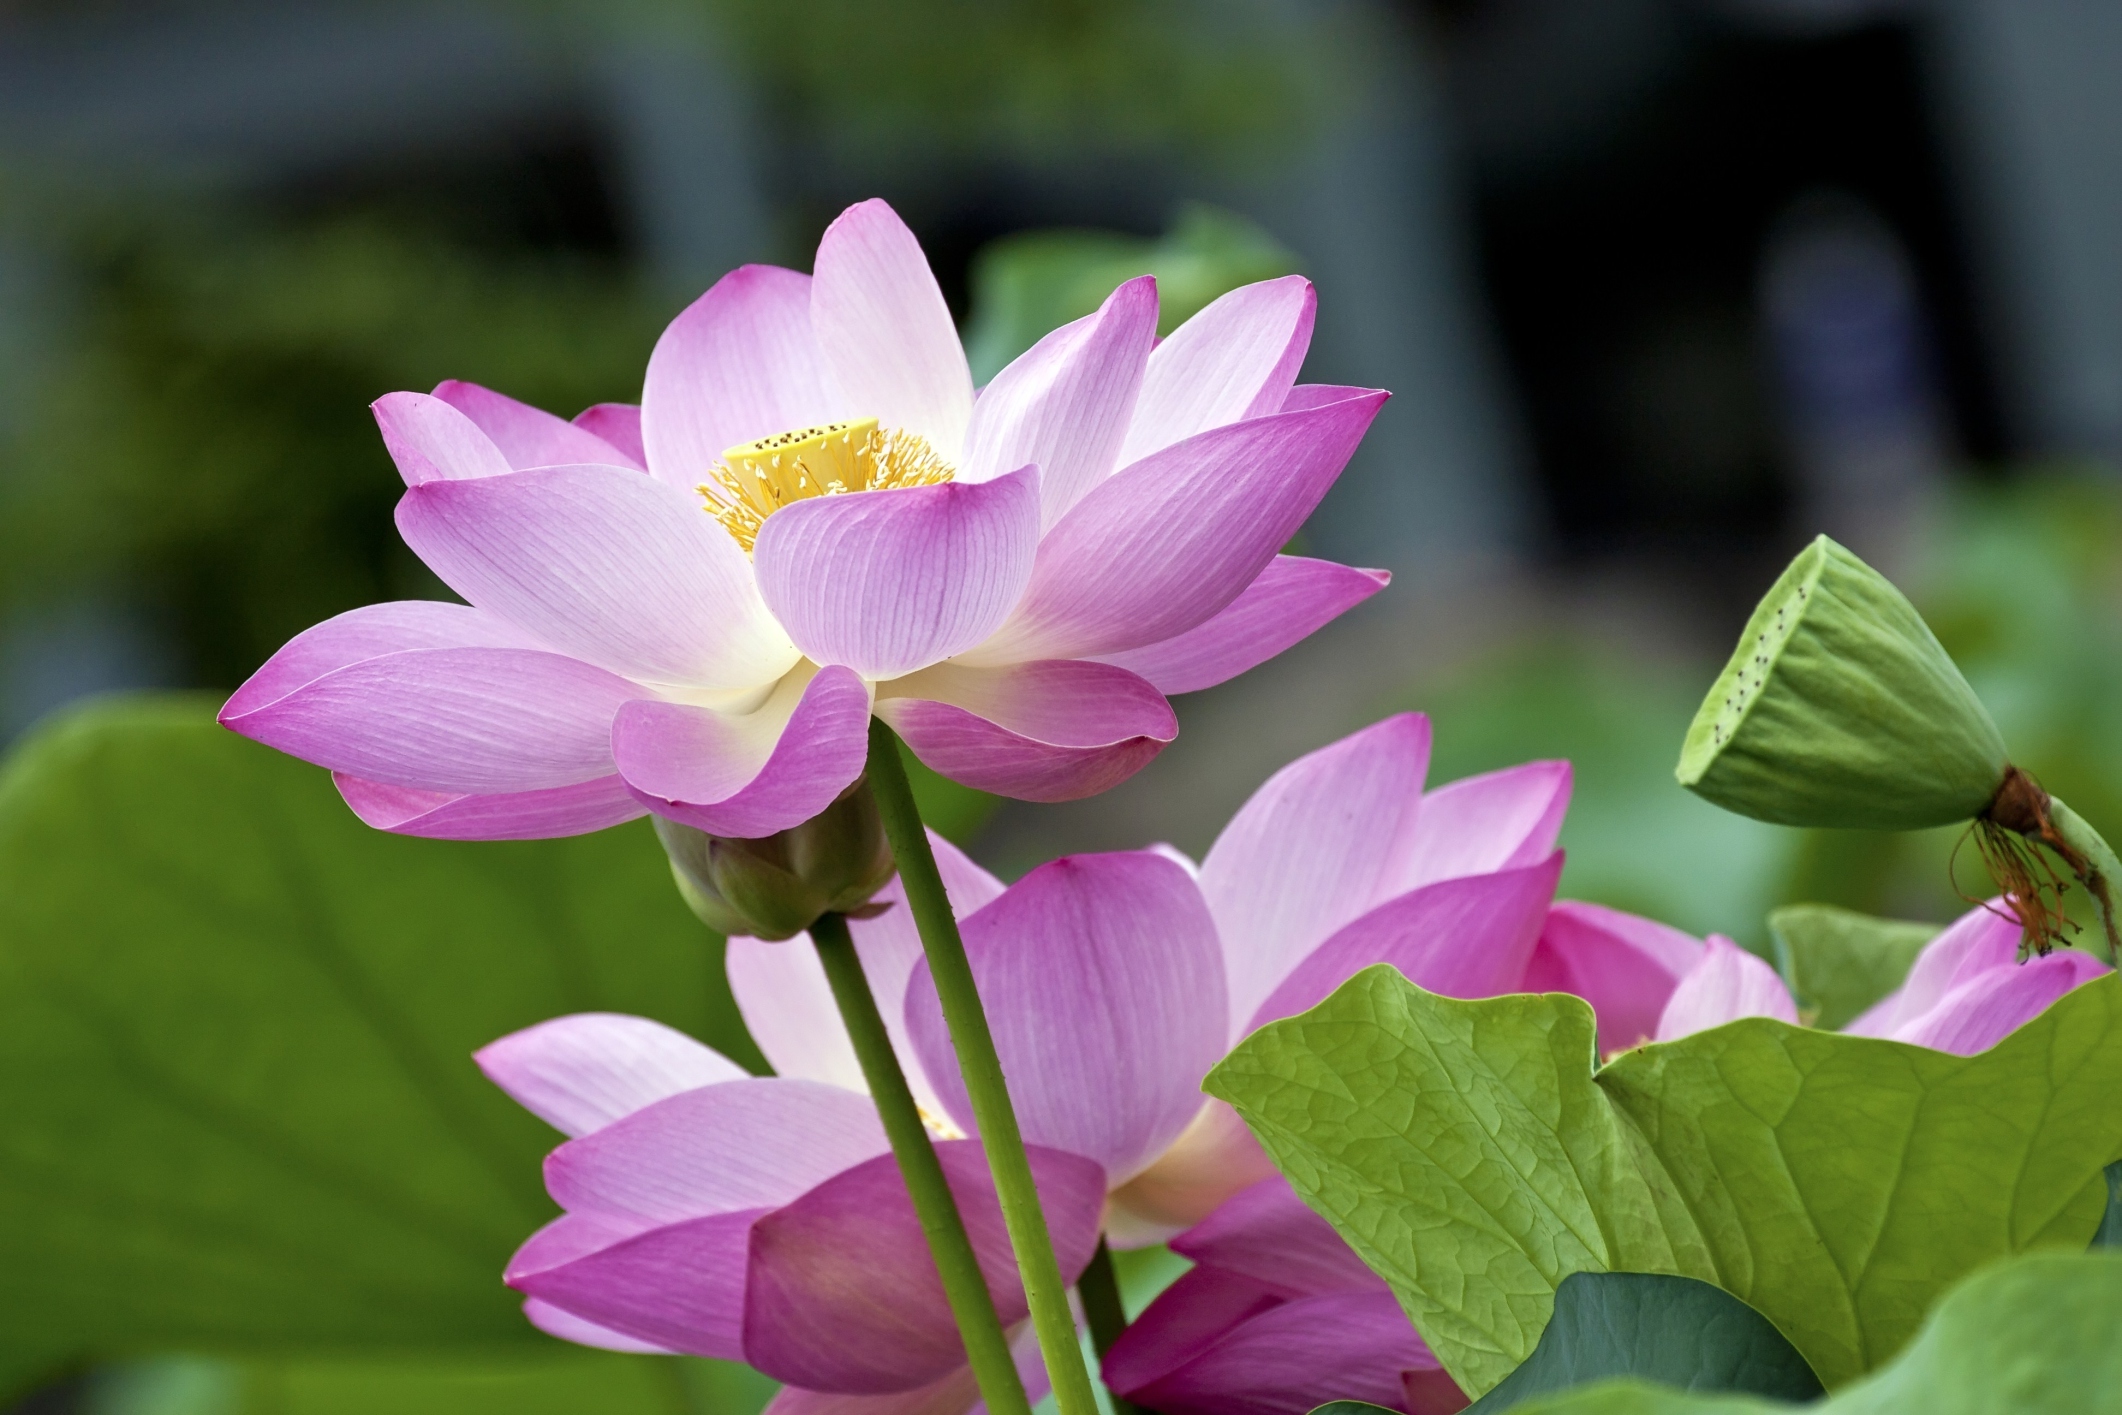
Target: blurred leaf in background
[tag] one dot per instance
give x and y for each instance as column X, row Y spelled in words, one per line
column 207, row 452
column 1027, row 284
column 236, row 1029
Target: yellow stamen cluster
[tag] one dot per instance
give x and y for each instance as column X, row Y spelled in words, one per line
column 759, row 478
column 940, row 1126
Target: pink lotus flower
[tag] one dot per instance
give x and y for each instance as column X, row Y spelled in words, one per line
column 1114, row 982
column 757, row 1219
column 1966, row 991
column 1277, row 1317
column 693, row 608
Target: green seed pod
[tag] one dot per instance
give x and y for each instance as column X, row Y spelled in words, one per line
column 776, row 886
column 1840, row 708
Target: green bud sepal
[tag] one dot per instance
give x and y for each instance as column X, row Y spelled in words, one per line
column 776, row 886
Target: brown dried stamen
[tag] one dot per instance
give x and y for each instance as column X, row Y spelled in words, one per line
column 2009, row 834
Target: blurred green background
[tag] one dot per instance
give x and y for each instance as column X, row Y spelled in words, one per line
column 1661, row 288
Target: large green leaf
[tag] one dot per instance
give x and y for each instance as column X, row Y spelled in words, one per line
column 1673, row 1331
column 1836, row 1184
column 2034, row 1336
column 235, row 1037
column 1839, row 962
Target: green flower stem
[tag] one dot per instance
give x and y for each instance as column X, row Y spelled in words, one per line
column 2100, row 872
column 1102, row 1308
column 982, row 1070
column 986, row 1345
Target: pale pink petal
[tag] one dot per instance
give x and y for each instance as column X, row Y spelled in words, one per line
column 1103, row 984
column 1303, row 856
column 739, row 364
column 1491, row 822
column 788, row 1008
column 569, row 1327
column 582, row 1072
column 1317, row 395
column 1625, row 966
column 1985, row 938
column 1286, row 603
column 619, row 424
column 586, row 806
column 527, row 436
column 678, row 1287
column 844, row 1296
column 1055, row 730
column 1063, row 406
column 451, row 720
column 886, row 582
column 1727, row 983
column 747, row 774
column 1161, row 546
column 609, row 566
column 738, row 1145
column 431, row 441
column 1236, row 359
column 1987, row 1008
column 1268, row 1234
column 884, row 332
column 1214, row 1158
column 1465, row 937
column 365, row 633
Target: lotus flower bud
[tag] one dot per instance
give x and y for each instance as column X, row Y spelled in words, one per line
column 776, row 886
column 1840, row 708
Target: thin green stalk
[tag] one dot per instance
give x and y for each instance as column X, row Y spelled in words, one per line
column 1102, row 1308
column 986, row 1345
column 981, row 1069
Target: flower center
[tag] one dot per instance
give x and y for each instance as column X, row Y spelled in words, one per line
column 756, row 479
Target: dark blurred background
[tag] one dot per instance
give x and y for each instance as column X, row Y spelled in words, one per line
column 1662, row 287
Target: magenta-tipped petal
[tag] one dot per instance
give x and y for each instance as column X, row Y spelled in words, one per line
column 527, row 436
column 1495, row 821
column 744, row 1144
column 569, row 1327
column 1303, row 856
column 370, row 632
column 883, row 329
column 750, row 774
column 1725, row 984
column 608, row 566
column 1466, row 937
column 679, row 1287
column 1986, row 937
column 1043, row 731
column 1182, row 1323
column 1318, row 395
column 580, row 1073
column 1297, row 1356
column 619, row 425
column 1103, row 982
column 1625, row 966
column 788, row 1007
column 1163, row 545
column 586, row 806
column 886, row 582
column 955, row 1394
column 1987, row 1008
column 431, row 441
column 1236, row 359
column 740, row 363
column 1286, row 603
column 1268, row 1234
column 472, row 720
column 843, row 1295
column 1064, row 405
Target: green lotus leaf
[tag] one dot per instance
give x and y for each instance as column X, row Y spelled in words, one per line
column 1839, row 962
column 1838, row 1185
column 236, row 1029
column 1840, row 708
